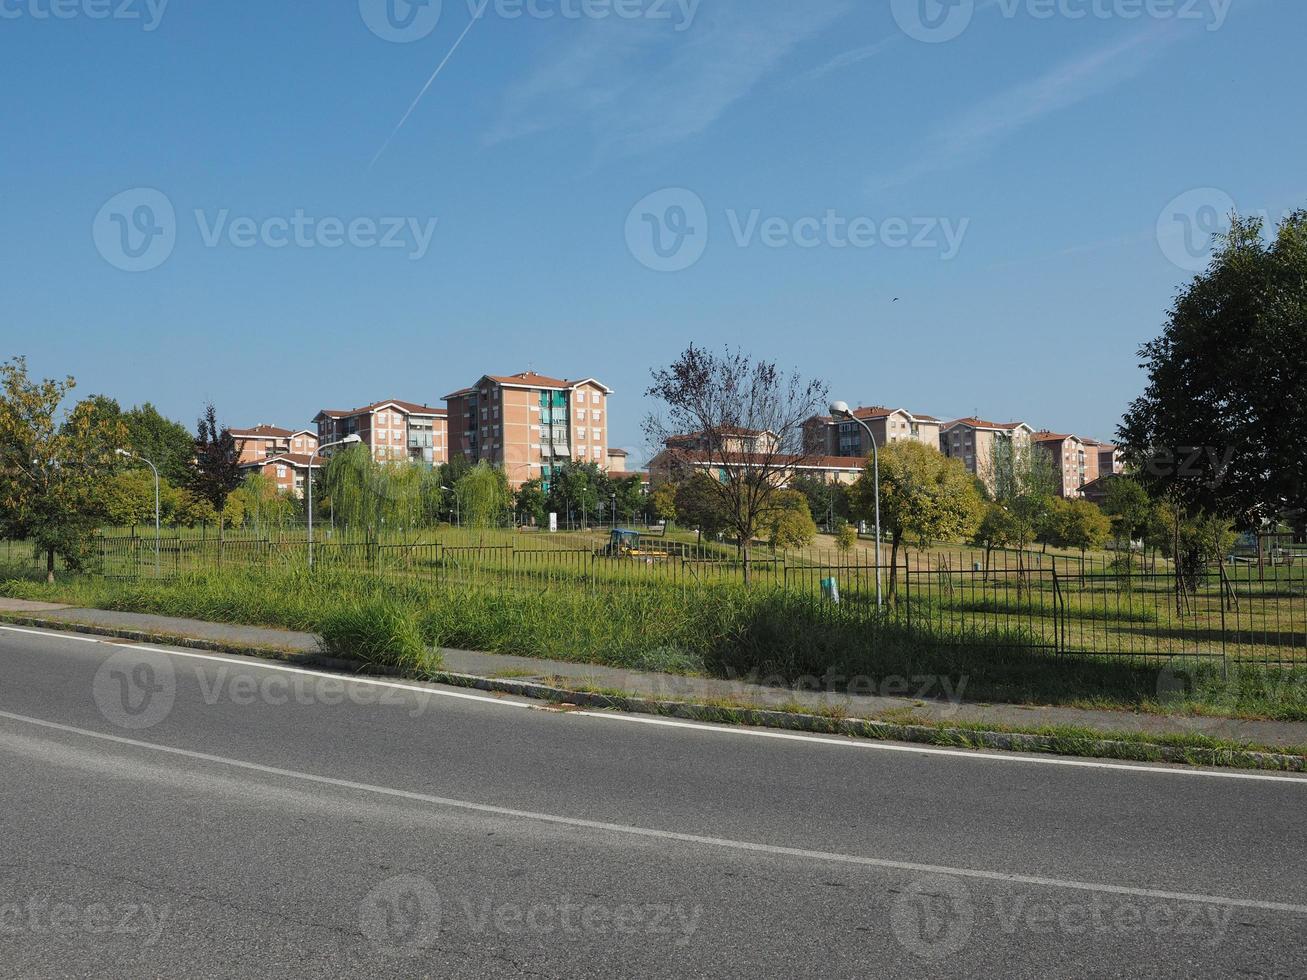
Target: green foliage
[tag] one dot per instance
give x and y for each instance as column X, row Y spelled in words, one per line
column 484, row 497
column 577, row 489
column 664, row 502
column 699, row 504
column 999, row 527
column 846, row 538
column 1129, row 507
column 789, row 524
column 162, row 441
column 127, row 498
column 259, row 504
column 379, row 631
column 52, row 473
column 1217, row 428
column 215, row 471
column 629, row 491
column 1076, row 524
column 826, row 500
column 530, row 503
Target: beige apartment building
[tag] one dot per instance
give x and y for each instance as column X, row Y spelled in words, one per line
column 972, row 441
column 287, row 471
column 528, row 424
column 676, row 464
column 845, row 437
column 1074, row 462
column 265, row 441
column 393, row 431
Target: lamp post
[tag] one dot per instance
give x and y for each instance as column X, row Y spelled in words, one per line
column 841, row 410
column 127, row 455
column 614, row 510
column 317, row 451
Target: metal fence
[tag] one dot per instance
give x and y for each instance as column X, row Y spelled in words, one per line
column 1128, row 607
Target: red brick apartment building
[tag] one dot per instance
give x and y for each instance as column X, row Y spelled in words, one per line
column 972, row 440
column 393, row 430
column 1074, row 462
column 265, row 441
column 529, row 424
column 287, row 471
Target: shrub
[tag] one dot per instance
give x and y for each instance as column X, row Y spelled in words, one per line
column 380, row 632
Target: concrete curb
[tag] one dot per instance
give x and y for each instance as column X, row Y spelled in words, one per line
column 754, row 717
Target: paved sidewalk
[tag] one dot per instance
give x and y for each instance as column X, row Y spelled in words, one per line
column 676, row 687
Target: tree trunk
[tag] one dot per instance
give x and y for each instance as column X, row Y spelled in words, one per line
column 49, row 566
column 744, row 557
column 895, row 541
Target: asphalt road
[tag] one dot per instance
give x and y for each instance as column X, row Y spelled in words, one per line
column 168, row 813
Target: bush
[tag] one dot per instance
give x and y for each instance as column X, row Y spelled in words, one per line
column 380, row 632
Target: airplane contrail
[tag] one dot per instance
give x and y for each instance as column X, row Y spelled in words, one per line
column 430, row 81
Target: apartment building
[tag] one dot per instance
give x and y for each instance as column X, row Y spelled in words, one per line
column 846, row 437
column 288, row 471
column 617, row 459
column 1111, row 459
column 972, row 441
column 1073, row 461
column 529, row 424
column 393, row 431
column 733, row 440
column 265, row 441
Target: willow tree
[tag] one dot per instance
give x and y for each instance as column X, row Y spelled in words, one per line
column 373, row 499
column 483, row 496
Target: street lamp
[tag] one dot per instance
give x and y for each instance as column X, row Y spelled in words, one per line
column 614, row 510
column 127, row 455
column 347, row 441
column 458, row 507
column 841, row 410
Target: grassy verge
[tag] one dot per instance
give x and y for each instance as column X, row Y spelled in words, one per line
column 760, row 634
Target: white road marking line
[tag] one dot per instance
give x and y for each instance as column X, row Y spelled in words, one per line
column 285, row 668
column 956, row 753
column 846, row 742
column 719, row 842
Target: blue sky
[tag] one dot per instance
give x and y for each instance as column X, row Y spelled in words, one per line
column 786, row 156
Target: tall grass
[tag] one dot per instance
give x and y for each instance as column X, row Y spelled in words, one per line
column 763, row 634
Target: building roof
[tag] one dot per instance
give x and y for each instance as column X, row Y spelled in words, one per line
column 297, row 460
column 1051, row 436
column 263, row 432
column 618, row 452
column 972, row 422
column 408, row 408
column 530, row 379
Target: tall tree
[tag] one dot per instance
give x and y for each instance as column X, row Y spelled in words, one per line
column 1218, row 426
column 215, row 472
column 52, row 472
column 743, row 418
column 162, row 441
